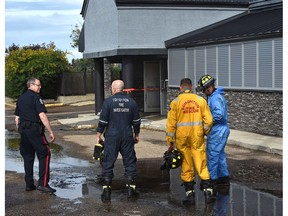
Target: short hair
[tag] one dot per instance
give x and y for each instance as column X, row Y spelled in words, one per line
column 186, row 82
column 31, row 81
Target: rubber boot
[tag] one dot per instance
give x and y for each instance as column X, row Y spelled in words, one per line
column 205, row 185
column 223, row 185
column 225, row 180
column 131, row 188
column 106, row 194
column 214, row 186
column 190, row 194
column 208, row 193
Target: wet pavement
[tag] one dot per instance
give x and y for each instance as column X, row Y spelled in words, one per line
column 161, row 192
column 73, row 175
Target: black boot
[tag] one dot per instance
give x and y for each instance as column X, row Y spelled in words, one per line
column 131, row 188
column 223, row 185
column 205, row 185
column 225, row 180
column 190, row 194
column 106, row 194
column 208, row 193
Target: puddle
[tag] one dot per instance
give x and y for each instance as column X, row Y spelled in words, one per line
column 74, row 179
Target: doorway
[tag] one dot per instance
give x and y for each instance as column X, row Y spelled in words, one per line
column 152, row 70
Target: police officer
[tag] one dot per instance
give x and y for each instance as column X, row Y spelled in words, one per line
column 31, row 121
column 121, row 119
column 188, row 120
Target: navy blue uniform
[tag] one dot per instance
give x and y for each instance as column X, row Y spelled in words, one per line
column 33, row 139
column 120, row 117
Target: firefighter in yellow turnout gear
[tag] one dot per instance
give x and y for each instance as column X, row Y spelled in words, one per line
column 188, row 120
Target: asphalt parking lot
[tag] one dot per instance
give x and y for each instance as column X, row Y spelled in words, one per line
column 256, row 170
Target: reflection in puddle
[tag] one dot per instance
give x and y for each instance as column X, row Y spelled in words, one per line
column 74, row 179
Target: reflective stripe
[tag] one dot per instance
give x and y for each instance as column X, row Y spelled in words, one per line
column 206, row 128
column 132, row 186
column 171, row 134
column 104, row 122
column 208, row 190
column 189, row 124
column 188, row 192
column 176, row 99
column 137, row 120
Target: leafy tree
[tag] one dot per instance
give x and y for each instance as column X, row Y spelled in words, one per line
column 78, row 65
column 43, row 61
column 75, row 36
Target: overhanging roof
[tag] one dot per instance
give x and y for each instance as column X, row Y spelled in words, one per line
column 246, row 26
column 213, row 3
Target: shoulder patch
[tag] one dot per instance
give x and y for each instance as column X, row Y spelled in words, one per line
column 41, row 101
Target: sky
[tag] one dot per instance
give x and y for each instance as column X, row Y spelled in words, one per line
column 41, row 21
column 28, row 22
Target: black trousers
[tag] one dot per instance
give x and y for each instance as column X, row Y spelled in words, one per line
column 32, row 141
column 114, row 145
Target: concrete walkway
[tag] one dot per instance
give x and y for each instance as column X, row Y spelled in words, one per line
column 244, row 139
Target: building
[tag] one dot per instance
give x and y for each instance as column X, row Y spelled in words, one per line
column 137, row 34
column 244, row 53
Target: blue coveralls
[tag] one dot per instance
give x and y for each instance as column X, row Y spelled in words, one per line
column 218, row 135
column 121, row 119
column 33, row 139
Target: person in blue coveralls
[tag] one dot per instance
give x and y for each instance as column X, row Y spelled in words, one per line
column 218, row 135
column 120, row 120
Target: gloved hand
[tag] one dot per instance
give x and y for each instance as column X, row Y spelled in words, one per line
column 169, row 140
column 171, row 147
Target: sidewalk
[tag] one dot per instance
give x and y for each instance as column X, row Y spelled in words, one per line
column 244, row 139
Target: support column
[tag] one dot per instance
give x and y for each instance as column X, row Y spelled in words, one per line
column 99, row 84
column 127, row 72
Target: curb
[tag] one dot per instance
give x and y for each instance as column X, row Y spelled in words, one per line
column 54, row 105
column 46, row 105
column 267, row 149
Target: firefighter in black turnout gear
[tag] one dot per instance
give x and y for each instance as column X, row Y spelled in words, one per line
column 120, row 120
column 31, row 121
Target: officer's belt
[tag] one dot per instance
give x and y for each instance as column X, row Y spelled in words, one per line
column 29, row 124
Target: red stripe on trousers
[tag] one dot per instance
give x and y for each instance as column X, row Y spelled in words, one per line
column 47, row 162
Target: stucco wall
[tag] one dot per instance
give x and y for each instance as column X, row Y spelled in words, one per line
column 252, row 111
column 101, row 26
column 109, row 28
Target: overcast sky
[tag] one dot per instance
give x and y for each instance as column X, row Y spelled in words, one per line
column 41, row 21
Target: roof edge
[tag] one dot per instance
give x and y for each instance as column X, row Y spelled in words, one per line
column 213, row 3
column 126, row 52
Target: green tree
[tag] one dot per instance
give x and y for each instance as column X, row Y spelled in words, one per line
column 75, row 35
column 79, row 65
column 43, row 61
